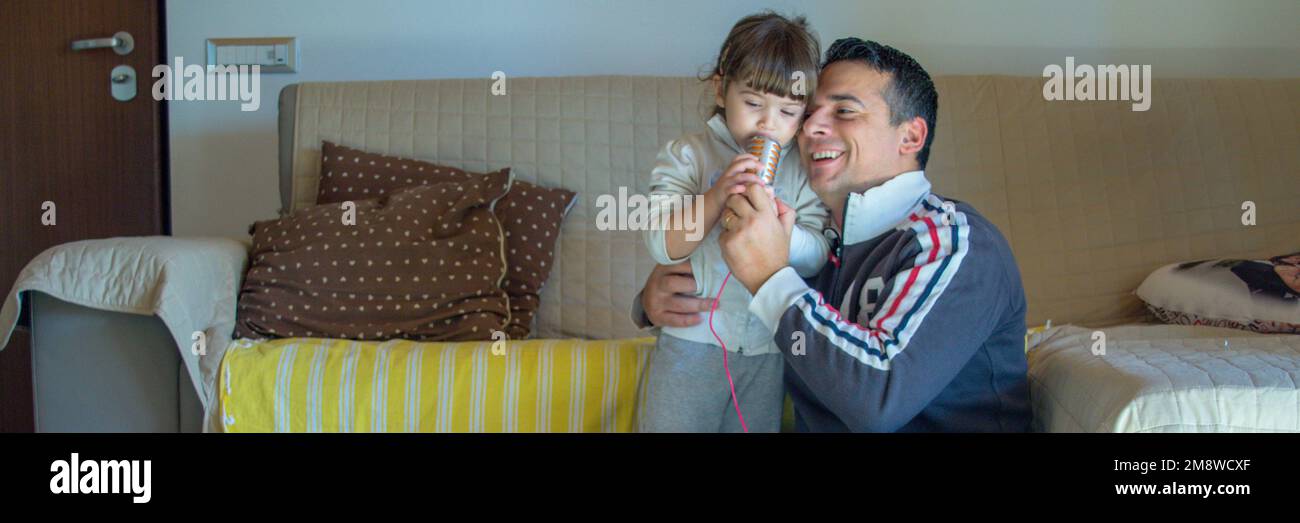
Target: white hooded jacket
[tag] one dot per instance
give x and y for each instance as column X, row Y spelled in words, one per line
column 689, row 166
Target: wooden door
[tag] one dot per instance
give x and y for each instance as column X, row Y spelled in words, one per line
column 67, row 145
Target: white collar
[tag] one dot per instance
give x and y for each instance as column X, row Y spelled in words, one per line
column 718, row 126
column 873, row 212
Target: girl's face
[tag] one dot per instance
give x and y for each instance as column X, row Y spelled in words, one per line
column 751, row 113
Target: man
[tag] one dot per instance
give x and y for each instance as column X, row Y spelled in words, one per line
column 917, row 324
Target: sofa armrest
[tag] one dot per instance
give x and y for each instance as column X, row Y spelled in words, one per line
column 191, row 284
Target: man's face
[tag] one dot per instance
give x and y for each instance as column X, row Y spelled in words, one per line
column 847, row 142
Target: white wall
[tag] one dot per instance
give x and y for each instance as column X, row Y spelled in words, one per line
column 224, row 161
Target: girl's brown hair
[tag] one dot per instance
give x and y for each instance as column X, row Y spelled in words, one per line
column 765, row 50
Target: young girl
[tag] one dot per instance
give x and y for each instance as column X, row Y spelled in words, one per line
column 764, row 75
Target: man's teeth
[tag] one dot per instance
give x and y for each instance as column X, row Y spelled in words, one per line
column 826, row 155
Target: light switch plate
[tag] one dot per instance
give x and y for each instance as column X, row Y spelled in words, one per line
column 274, row 54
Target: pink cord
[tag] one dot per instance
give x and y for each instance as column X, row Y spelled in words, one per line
column 725, row 365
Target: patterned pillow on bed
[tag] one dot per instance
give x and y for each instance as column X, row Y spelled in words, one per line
column 1182, row 318
column 1255, row 295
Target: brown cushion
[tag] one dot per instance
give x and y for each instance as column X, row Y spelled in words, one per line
column 424, row 263
column 530, row 214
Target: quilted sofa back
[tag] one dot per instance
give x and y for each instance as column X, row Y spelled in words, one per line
column 1091, row 195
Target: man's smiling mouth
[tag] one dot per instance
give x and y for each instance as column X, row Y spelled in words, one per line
column 825, row 157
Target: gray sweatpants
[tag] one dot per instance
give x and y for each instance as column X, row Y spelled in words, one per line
column 688, row 389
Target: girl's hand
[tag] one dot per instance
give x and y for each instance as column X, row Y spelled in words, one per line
column 740, row 174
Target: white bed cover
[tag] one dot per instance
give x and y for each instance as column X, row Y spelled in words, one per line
column 1164, row 378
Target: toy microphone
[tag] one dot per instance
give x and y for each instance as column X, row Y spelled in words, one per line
column 768, row 152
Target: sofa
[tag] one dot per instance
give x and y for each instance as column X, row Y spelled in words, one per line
column 1091, row 195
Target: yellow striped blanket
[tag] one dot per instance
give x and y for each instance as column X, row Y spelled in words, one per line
column 329, row 385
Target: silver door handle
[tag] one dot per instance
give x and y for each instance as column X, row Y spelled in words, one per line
column 121, row 43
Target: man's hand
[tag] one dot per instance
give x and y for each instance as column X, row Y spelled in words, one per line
column 669, row 297
column 756, row 243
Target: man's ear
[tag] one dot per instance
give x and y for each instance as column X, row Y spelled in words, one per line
column 719, row 97
column 912, row 136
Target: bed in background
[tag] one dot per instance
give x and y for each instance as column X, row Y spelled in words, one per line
column 1164, row 378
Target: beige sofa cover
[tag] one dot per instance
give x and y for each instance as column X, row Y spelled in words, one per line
column 1092, row 195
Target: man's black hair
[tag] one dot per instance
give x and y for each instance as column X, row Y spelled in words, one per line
column 910, row 93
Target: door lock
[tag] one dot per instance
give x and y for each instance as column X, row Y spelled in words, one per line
column 121, row 82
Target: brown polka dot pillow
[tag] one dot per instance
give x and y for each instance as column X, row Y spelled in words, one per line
column 423, row 263
column 530, row 215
